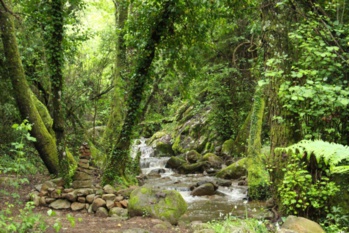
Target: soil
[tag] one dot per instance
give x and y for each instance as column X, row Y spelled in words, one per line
column 84, row 222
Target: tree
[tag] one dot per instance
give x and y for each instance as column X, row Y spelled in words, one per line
column 45, row 142
column 160, row 28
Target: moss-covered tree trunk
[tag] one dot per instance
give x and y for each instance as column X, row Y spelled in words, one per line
column 120, row 153
column 55, row 50
column 116, row 118
column 45, row 143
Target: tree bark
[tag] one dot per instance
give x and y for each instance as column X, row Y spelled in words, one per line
column 45, row 143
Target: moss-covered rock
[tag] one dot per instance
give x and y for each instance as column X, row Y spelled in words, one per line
column 227, row 147
column 187, row 168
column 175, row 162
column 166, row 205
column 257, row 178
column 193, row 156
column 234, row 171
column 213, row 160
column 162, row 144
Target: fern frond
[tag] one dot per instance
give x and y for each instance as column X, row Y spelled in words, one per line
column 330, row 153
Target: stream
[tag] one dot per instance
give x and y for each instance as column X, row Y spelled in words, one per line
column 230, row 200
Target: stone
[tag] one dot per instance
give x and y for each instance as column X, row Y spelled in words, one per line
column 60, row 204
column 68, row 190
column 71, row 196
column 126, row 192
column 110, row 197
column 75, row 206
column 118, row 204
column 109, row 189
column 90, row 198
column 206, row 189
column 234, row 171
column 85, row 170
column 81, row 176
column 83, row 165
column 117, row 211
column 82, row 184
column 35, row 198
column 124, row 203
column 223, row 182
column 213, row 160
column 301, row 225
column 119, row 198
column 143, row 200
column 38, row 187
column 49, row 200
column 45, row 186
column 81, row 199
column 58, row 181
column 110, row 204
column 102, row 212
column 193, row 156
column 98, row 202
column 83, row 191
column 42, row 201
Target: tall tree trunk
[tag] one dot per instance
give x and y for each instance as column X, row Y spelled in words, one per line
column 116, row 118
column 55, row 50
column 45, row 143
column 120, row 153
column 277, row 22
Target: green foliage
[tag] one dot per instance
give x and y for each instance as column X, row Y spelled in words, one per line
column 334, row 156
column 26, row 221
column 231, row 224
column 298, row 192
column 336, row 221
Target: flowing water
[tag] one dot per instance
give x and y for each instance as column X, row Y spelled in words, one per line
column 228, row 200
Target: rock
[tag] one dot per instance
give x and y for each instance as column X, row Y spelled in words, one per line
column 119, row 198
column 102, row 212
column 136, row 230
column 117, row 211
column 110, row 204
column 198, row 167
column 143, row 201
column 90, row 198
column 175, row 162
column 206, row 189
column 107, row 197
column 58, row 181
column 60, row 204
column 301, row 225
column 233, row 171
column 38, row 187
column 213, row 160
column 82, row 199
column 82, row 184
column 162, row 144
column 35, row 198
column 223, row 182
column 83, row 191
column 45, row 186
column 228, row 148
column 126, row 192
column 71, row 196
column 193, row 156
column 109, row 189
column 75, row 206
column 81, row 176
column 42, row 201
column 49, row 200
column 124, row 203
column 98, row 202
column 153, row 174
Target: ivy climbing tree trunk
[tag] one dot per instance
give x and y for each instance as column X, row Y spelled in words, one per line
column 45, row 142
column 120, row 153
column 116, row 118
column 55, row 51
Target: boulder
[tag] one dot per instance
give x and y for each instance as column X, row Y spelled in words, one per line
column 233, row 171
column 166, row 205
column 205, row 189
column 60, row 204
column 223, row 182
column 82, row 184
column 301, row 225
column 213, row 160
column 175, row 162
column 162, row 144
column 198, row 167
column 193, row 156
column 79, row 175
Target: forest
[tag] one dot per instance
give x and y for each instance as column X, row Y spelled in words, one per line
column 240, row 102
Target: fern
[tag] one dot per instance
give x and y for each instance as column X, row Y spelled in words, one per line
column 331, row 154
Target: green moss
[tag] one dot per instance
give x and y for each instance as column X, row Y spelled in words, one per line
column 258, row 179
column 176, row 147
column 213, row 159
column 155, row 136
column 234, row 171
column 227, row 147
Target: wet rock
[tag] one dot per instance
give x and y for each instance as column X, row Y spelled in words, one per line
column 206, row 189
column 223, row 182
column 175, row 162
column 143, row 201
column 213, row 160
column 233, row 171
column 301, row 225
column 60, row 204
